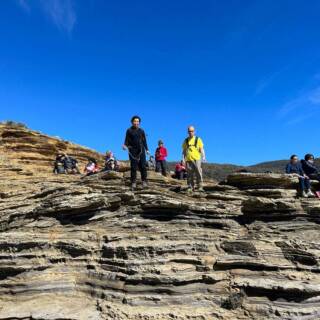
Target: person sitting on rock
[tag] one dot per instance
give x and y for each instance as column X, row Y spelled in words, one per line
column 91, row 167
column 160, row 155
column 180, row 171
column 309, row 167
column 295, row 167
column 59, row 164
column 70, row 165
column 151, row 164
column 111, row 163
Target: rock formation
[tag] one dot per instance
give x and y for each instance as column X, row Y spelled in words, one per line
column 88, row 248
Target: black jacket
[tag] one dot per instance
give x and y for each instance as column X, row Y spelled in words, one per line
column 309, row 168
column 136, row 140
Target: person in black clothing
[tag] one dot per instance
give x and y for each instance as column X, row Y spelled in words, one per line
column 59, row 164
column 309, row 167
column 136, row 144
column 71, row 164
column 294, row 167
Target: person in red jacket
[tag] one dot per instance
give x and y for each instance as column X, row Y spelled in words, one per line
column 180, row 171
column 161, row 154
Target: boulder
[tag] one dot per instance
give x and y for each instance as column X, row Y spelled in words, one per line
column 258, row 205
column 262, row 181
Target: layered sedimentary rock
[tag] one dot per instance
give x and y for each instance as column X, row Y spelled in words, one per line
column 32, row 151
column 76, row 247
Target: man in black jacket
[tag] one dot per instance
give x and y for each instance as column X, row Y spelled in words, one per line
column 136, row 144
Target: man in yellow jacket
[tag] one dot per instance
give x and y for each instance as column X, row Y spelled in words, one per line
column 193, row 154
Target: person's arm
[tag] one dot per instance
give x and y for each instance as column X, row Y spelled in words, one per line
column 126, row 141
column 302, row 173
column 203, row 154
column 184, row 150
column 288, row 168
column 165, row 152
column 201, row 149
column 314, row 167
column 144, row 141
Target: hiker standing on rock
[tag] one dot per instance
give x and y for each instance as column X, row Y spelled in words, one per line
column 136, row 144
column 193, row 152
column 161, row 154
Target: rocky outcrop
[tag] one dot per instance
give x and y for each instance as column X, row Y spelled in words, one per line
column 29, row 152
column 262, row 180
column 89, row 248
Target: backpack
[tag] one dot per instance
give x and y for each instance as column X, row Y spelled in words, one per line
column 195, row 143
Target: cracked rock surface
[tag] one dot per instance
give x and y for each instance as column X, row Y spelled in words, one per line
column 89, row 248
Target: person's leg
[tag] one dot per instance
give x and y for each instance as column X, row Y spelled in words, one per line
column 307, row 184
column 143, row 167
column 198, row 172
column 301, row 184
column 190, row 172
column 134, row 167
column 158, row 166
column 164, row 168
column 302, row 187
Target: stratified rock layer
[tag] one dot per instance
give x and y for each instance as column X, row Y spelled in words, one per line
column 89, row 248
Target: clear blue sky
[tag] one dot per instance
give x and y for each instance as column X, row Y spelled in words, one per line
column 245, row 73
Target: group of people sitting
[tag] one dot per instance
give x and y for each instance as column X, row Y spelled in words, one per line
column 65, row 164
column 306, row 170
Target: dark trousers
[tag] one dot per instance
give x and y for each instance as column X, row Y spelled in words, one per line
column 304, row 184
column 180, row 175
column 138, row 163
column 161, row 166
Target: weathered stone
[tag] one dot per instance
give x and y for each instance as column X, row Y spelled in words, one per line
column 262, row 180
column 267, row 205
column 90, row 248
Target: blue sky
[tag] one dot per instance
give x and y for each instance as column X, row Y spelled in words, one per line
column 245, row 73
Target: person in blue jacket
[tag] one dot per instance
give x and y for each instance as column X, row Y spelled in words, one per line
column 309, row 167
column 295, row 167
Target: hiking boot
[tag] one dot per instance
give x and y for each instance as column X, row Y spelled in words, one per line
column 200, row 189
column 189, row 190
column 145, row 185
column 304, row 194
column 310, row 194
column 133, row 186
